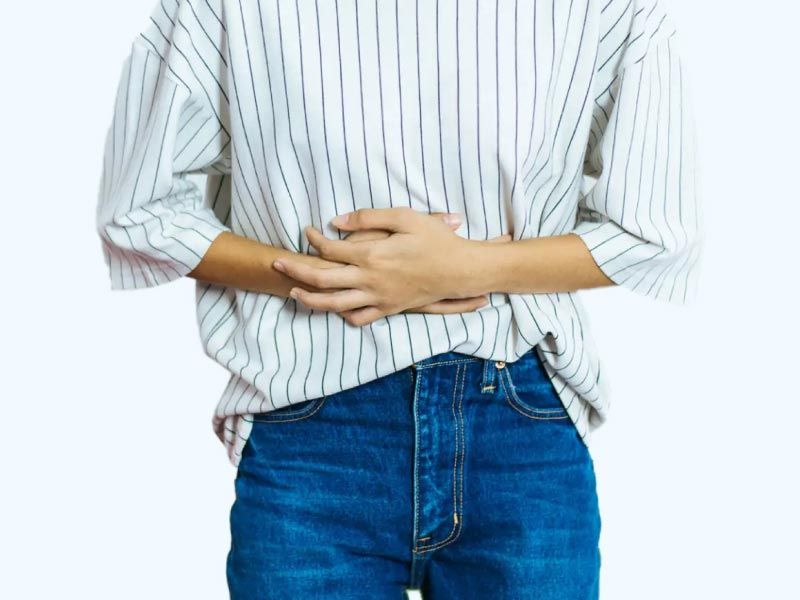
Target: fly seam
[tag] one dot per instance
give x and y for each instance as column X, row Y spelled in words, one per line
column 460, row 372
column 417, row 379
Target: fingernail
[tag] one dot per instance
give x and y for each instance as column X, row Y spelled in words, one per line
column 452, row 218
column 278, row 265
column 293, row 293
column 340, row 219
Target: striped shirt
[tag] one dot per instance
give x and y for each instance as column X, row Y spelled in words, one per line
column 529, row 117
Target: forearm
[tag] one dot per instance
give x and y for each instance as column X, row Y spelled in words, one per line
column 423, row 263
column 236, row 261
column 538, row 265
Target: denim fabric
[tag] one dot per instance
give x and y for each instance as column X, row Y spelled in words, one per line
column 459, row 476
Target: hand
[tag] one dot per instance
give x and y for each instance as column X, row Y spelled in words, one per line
column 452, row 220
column 452, row 305
column 362, row 235
column 447, row 306
column 421, row 263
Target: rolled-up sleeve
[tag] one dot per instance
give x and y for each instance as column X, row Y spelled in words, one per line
column 639, row 213
column 169, row 121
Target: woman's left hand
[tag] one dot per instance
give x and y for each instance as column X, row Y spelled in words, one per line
column 422, row 262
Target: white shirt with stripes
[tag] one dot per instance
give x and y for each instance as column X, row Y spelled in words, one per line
column 530, row 117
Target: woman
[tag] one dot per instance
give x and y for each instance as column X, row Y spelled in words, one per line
column 402, row 200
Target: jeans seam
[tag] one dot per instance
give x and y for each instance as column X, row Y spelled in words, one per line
column 454, row 361
column 539, row 414
column 301, row 415
column 458, row 466
column 417, row 379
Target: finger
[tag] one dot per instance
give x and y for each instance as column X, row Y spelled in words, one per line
column 396, row 219
column 453, row 220
column 363, row 316
column 450, row 306
column 337, row 277
column 501, row 238
column 366, row 235
column 343, row 251
column 335, row 301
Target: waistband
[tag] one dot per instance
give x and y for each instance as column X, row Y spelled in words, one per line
column 453, row 357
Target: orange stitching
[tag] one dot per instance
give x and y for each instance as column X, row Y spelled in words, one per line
column 455, row 361
column 455, row 529
column 417, row 379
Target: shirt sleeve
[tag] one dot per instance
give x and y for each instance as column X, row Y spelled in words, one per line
column 170, row 120
column 639, row 213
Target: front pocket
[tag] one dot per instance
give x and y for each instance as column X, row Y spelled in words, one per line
column 292, row 412
column 533, row 394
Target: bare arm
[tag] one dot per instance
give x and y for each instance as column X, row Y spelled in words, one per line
column 559, row 263
column 239, row 262
column 423, row 261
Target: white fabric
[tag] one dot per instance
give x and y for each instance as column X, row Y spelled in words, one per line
column 531, row 117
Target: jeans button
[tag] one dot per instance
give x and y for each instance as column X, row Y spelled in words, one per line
column 500, row 364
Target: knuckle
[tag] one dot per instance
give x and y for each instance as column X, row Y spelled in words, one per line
column 358, row 215
column 368, row 256
column 317, row 278
column 324, row 247
column 321, row 302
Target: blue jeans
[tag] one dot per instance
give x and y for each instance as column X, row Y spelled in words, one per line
column 459, row 476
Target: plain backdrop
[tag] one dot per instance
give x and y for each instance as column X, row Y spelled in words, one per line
column 114, row 485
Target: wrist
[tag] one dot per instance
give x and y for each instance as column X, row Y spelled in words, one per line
column 476, row 269
column 277, row 283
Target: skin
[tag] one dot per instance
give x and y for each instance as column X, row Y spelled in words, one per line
column 240, row 262
column 400, row 260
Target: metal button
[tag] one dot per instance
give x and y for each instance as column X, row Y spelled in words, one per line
column 500, row 364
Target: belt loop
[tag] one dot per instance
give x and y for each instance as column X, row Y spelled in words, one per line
column 487, row 380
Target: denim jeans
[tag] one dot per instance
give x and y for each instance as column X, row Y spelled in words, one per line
column 458, row 476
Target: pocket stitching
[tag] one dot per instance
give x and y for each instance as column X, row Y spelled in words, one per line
column 298, row 415
column 542, row 414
